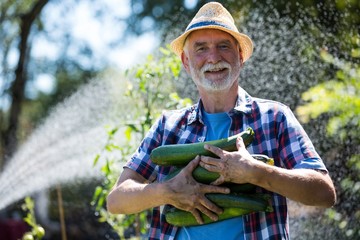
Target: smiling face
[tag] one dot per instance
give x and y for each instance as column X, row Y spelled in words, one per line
column 213, row 60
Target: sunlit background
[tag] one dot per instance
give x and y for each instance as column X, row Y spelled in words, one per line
column 93, row 79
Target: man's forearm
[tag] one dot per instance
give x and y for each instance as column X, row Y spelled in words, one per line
column 132, row 194
column 132, row 197
column 307, row 186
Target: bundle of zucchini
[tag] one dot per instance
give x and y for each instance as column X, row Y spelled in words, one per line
column 242, row 199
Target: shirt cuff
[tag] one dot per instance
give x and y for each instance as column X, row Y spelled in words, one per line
column 311, row 163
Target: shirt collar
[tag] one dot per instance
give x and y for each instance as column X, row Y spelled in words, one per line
column 243, row 105
column 243, row 102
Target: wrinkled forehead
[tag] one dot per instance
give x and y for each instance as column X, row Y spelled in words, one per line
column 207, row 35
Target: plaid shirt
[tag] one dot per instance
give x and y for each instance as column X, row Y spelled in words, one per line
column 278, row 134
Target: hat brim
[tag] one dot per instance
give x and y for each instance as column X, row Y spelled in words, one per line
column 246, row 45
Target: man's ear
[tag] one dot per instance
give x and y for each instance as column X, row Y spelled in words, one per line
column 241, row 58
column 185, row 62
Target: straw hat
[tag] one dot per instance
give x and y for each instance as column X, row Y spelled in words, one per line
column 213, row 15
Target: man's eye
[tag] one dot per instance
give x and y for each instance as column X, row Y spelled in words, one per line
column 223, row 46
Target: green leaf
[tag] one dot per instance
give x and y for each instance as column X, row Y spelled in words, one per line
column 113, row 131
column 355, row 53
column 97, row 192
column 139, row 72
column 96, row 159
column 327, row 57
column 165, row 51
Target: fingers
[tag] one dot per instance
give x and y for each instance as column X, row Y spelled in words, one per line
column 240, row 143
column 193, row 164
column 217, row 151
column 218, row 181
column 211, row 214
column 207, row 208
column 200, row 204
column 214, row 189
column 210, row 164
column 197, row 216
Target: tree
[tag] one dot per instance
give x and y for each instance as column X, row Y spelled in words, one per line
column 17, row 89
column 21, row 106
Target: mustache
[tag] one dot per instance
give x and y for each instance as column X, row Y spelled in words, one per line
column 215, row 67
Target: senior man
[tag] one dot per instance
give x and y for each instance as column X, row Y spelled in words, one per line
column 213, row 52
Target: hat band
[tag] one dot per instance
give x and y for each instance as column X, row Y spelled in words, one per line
column 207, row 23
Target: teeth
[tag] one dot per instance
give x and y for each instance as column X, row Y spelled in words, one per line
column 215, row 69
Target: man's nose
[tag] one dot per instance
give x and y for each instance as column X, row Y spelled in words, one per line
column 214, row 55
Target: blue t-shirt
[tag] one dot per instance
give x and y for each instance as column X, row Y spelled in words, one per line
column 218, row 125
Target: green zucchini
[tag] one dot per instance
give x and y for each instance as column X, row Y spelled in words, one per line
column 255, row 202
column 234, row 205
column 183, row 218
column 182, row 154
column 200, row 174
column 239, row 187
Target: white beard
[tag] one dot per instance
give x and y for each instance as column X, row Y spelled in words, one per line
column 210, row 85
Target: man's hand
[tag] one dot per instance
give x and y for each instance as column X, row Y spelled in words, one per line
column 232, row 166
column 307, row 186
column 187, row 194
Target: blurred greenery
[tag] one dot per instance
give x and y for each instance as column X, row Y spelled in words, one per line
column 152, row 89
column 37, row 232
column 340, row 99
